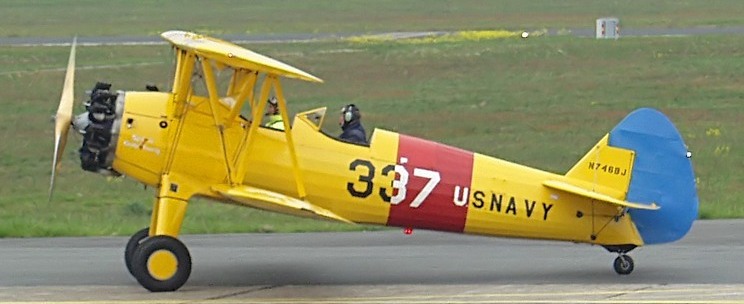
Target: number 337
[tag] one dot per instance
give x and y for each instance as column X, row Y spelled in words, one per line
column 365, row 187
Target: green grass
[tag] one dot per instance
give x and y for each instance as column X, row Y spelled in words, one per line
column 541, row 101
column 50, row 18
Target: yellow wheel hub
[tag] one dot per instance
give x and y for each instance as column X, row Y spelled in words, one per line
column 162, row 264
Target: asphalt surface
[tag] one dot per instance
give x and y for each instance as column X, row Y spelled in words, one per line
column 305, row 37
column 379, row 265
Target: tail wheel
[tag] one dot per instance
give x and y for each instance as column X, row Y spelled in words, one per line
column 161, row 263
column 132, row 245
column 623, row 264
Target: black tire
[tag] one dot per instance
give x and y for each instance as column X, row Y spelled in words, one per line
column 132, row 245
column 623, row 264
column 174, row 252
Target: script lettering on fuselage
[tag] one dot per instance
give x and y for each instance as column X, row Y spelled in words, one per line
column 510, row 205
column 138, row 142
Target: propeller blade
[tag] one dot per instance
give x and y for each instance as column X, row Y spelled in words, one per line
column 63, row 117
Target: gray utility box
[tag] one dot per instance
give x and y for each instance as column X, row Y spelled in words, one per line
column 608, row 28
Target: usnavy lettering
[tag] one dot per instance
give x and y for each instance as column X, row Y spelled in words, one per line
column 510, row 205
column 397, row 192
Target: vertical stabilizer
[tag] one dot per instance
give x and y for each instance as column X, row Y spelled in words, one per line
column 605, row 169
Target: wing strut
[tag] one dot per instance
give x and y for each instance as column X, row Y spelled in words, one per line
column 257, row 112
column 290, row 142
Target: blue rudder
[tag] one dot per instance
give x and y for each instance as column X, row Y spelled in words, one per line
column 662, row 173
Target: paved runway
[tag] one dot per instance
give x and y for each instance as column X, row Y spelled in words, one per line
column 388, row 266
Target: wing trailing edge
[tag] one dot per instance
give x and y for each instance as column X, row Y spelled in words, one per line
column 276, row 202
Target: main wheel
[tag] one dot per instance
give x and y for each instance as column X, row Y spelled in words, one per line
column 132, row 245
column 623, row 264
column 161, row 263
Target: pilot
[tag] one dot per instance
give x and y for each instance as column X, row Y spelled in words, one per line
column 351, row 124
column 274, row 118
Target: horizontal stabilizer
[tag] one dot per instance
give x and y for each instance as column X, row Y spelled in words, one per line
column 573, row 189
column 272, row 201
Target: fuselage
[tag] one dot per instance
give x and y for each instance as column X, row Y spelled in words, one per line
column 396, row 180
column 635, row 186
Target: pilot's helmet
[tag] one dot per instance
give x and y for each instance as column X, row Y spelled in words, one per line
column 274, row 107
column 350, row 113
column 272, row 101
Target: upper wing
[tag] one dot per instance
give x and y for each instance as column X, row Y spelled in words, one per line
column 233, row 55
column 574, row 189
column 272, row 201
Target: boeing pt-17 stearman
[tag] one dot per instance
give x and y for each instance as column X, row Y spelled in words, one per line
column 636, row 186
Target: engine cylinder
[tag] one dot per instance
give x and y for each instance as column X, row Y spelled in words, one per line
column 100, row 128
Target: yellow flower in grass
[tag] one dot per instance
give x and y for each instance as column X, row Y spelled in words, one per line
column 722, row 150
column 713, row 132
column 435, row 38
column 369, row 39
column 464, row 36
column 485, row 35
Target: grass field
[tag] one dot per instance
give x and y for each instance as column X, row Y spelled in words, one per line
column 541, row 101
column 51, row 18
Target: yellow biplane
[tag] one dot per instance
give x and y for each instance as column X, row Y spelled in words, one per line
column 636, row 186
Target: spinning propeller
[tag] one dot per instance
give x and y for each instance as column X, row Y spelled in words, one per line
column 63, row 118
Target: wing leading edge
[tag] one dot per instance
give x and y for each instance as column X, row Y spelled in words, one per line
column 234, row 55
